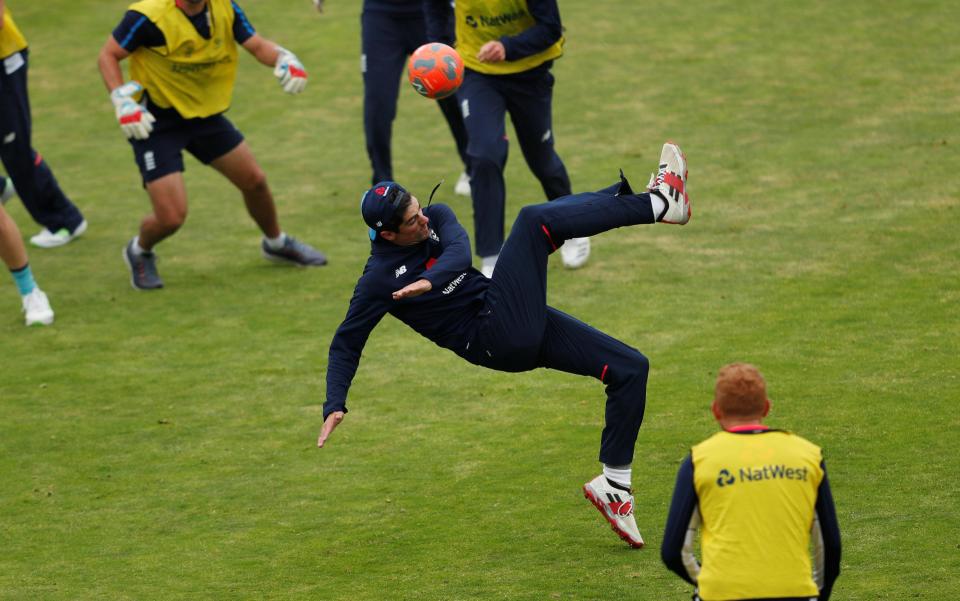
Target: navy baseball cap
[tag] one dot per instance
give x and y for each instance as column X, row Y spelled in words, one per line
column 379, row 205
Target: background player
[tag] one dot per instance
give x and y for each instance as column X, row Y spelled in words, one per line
column 759, row 496
column 508, row 48
column 183, row 65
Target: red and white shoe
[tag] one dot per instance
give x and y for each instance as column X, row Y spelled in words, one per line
column 616, row 505
column 670, row 183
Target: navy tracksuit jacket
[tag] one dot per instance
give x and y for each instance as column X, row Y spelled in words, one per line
column 502, row 323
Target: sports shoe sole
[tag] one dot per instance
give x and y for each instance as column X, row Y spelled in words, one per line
column 58, row 242
column 283, row 260
column 588, row 494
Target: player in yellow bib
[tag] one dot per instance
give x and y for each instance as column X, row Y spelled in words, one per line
column 508, row 48
column 759, row 498
column 183, row 65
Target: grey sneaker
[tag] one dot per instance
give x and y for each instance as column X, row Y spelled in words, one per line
column 294, row 251
column 143, row 269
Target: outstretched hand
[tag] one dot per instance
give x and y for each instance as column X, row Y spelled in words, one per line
column 492, row 52
column 415, row 289
column 333, row 420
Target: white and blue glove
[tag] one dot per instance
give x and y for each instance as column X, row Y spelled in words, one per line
column 135, row 120
column 289, row 70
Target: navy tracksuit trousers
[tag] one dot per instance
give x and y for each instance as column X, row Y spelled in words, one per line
column 485, row 100
column 520, row 332
column 387, row 40
column 36, row 186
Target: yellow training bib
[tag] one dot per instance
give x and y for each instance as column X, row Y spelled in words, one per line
column 190, row 73
column 481, row 21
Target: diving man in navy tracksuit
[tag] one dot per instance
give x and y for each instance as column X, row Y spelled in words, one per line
column 420, row 272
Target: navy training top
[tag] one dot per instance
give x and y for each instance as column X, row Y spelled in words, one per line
column 446, row 314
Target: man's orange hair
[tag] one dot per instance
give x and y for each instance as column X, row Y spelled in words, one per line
column 741, row 391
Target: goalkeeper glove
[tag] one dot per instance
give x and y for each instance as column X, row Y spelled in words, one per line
column 289, row 70
column 135, row 120
column 319, row 5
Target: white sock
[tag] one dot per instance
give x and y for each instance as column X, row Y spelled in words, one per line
column 620, row 474
column 657, row 204
column 136, row 248
column 490, row 261
column 276, row 243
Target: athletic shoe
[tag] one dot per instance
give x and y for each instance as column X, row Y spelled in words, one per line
column 575, row 252
column 8, row 191
column 143, row 269
column 294, row 251
column 670, row 183
column 48, row 239
column 616, row 505
column 462, row 187
column 36, row 306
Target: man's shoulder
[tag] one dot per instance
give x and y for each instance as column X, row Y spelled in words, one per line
column 440, row 212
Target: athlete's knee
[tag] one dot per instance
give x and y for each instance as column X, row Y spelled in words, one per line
column 630, row 370
column 171, row 217
column 254, row 181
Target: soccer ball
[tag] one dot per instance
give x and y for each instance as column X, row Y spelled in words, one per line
column 435, row 70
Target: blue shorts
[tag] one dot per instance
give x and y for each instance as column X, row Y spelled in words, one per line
column 206, row 138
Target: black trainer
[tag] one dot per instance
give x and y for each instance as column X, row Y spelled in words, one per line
column 294, row 251
column 143, row 269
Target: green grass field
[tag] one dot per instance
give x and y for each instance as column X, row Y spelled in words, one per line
column 162, row 445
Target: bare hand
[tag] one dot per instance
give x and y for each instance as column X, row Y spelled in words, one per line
column 333, row 420
column 415, row 289
column 492, row 52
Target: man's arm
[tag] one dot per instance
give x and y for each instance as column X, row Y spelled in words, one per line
column 344, row 357
column 830, row 531
column 109, row 63
column 3, row 21
column 679, row 521
column 455, row 255
column 547, row 30
column 262, row 49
